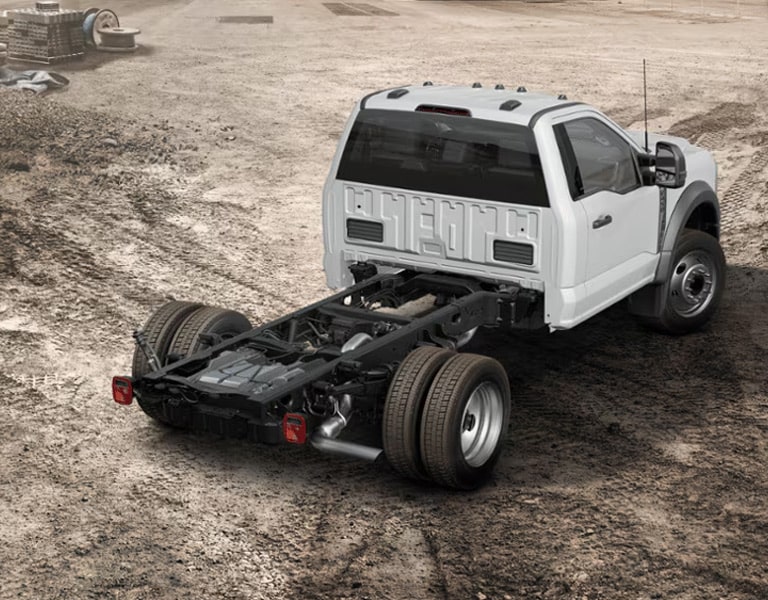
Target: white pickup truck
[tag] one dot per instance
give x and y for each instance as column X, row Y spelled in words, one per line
column 446, row 210
column 531, row 190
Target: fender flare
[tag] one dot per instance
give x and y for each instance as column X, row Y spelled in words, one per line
column 695, row 195
column 649, row 301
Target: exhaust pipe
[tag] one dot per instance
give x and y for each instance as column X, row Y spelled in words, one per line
column 324, row 437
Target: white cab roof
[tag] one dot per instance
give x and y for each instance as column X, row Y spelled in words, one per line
column 482, row 102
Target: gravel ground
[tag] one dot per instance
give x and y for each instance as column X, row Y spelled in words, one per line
column 635, row 465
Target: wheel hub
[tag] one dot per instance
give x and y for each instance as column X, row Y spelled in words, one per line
column 692, row 283
column 469, row 422
column 481, row 424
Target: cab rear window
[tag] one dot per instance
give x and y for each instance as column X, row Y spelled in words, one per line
column 444, row 154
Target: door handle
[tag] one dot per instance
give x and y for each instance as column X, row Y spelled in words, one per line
column 602, row 222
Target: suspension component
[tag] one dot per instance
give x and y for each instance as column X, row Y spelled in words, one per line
column 149, row 352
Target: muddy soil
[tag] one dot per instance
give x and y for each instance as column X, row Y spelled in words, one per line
column 635, row 465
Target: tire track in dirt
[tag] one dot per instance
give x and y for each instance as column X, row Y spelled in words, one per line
column 717, row 128
column 84, row 247
column 713, row 139
column 627, row 115
column 100, row 533
column 356, row 550
column 67, row 278
column 720, row 119
column 743, row 196
column 220, row 260
column 210, row 507
column 209, row 276
column 602, row 368
column 64, row 219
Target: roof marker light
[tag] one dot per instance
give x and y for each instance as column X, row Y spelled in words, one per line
column 499, row 86
column 510, row 105
column 477, row 84
column 562, row 97
column 395, row 94
column 521, row 89
column 427, row 83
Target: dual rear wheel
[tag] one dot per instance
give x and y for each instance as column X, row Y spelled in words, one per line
column 446, row 416
column 176, row 330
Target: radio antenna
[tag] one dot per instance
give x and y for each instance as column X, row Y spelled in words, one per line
column 645, row 107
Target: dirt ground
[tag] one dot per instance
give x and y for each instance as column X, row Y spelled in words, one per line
column 636, row 463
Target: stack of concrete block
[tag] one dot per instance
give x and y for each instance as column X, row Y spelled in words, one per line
column 45, row 34
column 3, row 27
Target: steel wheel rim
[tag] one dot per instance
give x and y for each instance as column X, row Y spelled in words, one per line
column 481, row 424
column 692, row 284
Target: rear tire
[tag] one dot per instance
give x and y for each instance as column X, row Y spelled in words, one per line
column 207, row 320
column 159, row 330
column 402, row 410
column 465, row 421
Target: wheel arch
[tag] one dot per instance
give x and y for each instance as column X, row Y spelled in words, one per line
column 697, row 208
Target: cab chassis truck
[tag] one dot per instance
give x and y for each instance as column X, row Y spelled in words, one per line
column 447, row 210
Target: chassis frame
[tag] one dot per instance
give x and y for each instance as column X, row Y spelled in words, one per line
column 339, row 373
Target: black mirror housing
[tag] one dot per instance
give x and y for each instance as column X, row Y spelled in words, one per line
column 670, row 166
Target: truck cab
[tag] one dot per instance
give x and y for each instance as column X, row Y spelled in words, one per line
column 514, row 188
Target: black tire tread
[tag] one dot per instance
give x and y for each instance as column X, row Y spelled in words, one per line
column 444, row 398
column 670, row 323
column 159, row 331
column 402, row 409
column 204, row 320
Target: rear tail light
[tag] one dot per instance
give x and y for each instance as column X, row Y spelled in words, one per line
column 294, row 428
column 122, row 390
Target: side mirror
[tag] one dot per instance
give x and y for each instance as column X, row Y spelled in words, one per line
column 670, row 166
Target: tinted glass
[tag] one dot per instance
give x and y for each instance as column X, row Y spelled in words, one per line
column 604, row 160
column 444, row 154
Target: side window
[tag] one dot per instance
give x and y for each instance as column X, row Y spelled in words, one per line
column 596, row 158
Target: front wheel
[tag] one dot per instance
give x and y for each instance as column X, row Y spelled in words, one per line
column 694, row 285
column 465, row 420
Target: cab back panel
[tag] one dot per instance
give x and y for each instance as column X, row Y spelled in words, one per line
column 437, row 230
column 437, row 189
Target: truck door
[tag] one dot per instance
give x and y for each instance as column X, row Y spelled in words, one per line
column 619, row 216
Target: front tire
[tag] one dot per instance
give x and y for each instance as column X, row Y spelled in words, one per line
column 694, row 285
column 465, row 421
